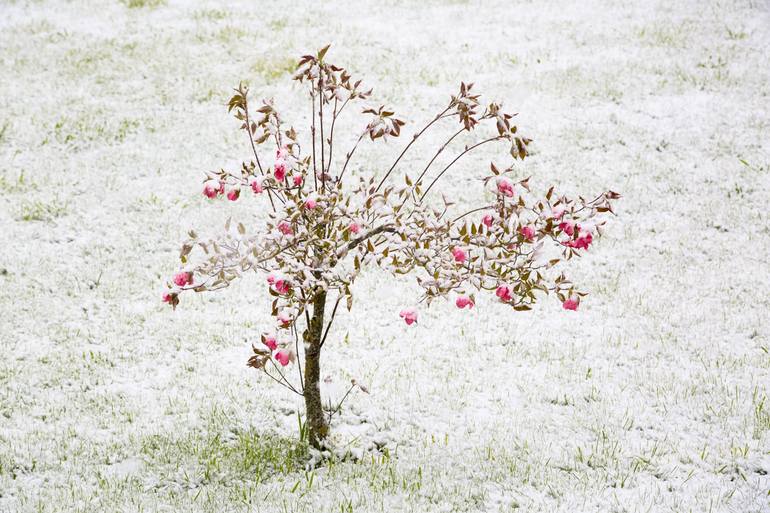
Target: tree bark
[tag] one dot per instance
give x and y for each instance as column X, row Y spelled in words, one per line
column 317, row 426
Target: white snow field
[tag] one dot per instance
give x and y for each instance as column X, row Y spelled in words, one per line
column 652, row 397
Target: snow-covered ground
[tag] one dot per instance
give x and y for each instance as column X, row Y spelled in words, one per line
column 653, row 397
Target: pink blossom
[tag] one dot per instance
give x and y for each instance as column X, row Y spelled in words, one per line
column 282, row 286
column 567, row 227
column 279, row 171
column 282, row 357
column 221, row 187
column 310, row 204
column 256, row 186
column 354, row 227
column 270, row 342
column 459, row 255
column 282, row 152
column 182, row 279
column 285, row 228
column 582, row 242
column 210, row 189
column 527, row 232
column 488, row 220
column 297, row 179
column 504, row 293
column 409, row 315
column 168, row 297
column 463, row 301
column 284, row 319
column 233, row 194
column 570, row 304
column 271, row 278
column 558, row 212
column 505, row 186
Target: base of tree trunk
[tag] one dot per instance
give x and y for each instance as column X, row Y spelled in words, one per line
column 317, row 426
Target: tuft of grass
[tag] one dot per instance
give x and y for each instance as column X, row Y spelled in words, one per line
column 665, row 35
column 76, row 131
column 736, row 35
column 761, row 415
column 210, row 14
column 19, row 184
column 273, row 69
column 220, row 457
column 141, row 4
column 278, row 24
column 41, row 211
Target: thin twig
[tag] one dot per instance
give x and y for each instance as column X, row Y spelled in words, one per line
column 291, row 387
column 254, row 148
column 339, row 405
column 456, row 159
column 414, row 138
column 331, row 131
column 321, row 120
column 281, row 382
column 386, row 228
column 471, row 212
column 350, row 153
column 441, row 149
column 312, row 132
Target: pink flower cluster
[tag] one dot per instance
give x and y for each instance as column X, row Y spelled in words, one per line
column 183, row 278
column 463, row 301
column 459, row 255
column 505, row 186
column 280, row 167
column 256, row 185
column 504, row 293
column 528, row 232
column 285, row 228
column 213, row 188
column 409, row 315
column 583, row 240
column 280, row 284
column 283, row 355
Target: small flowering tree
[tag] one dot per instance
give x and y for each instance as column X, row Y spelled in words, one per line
column 324, row 226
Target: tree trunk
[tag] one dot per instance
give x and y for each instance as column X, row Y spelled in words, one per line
column 316, row 423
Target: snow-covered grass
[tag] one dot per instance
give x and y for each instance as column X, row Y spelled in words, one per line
column 653, row 397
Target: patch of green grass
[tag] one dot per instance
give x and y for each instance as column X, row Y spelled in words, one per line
column 41, row 211
column 665, row 35
column 761, row 415
column 140, row 4
column 83, row 129
column 278, row 25
column 18, row 184
column 210, row 14
column 218, row 457
column 206, row 96
column 273, row 69
column 736, row 35
column 227, row 34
